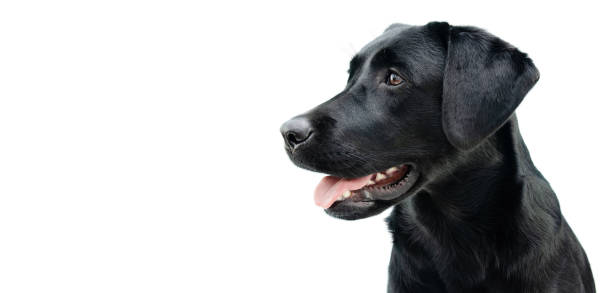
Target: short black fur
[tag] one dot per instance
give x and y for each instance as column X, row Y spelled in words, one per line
column 480, row 217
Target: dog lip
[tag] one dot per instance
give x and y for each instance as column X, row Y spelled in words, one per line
column 394, row 190
column 385, row 193
column 358, row 207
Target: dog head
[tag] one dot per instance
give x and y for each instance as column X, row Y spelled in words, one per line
column 415, row 96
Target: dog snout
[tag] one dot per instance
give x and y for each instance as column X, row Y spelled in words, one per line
column 297, row 131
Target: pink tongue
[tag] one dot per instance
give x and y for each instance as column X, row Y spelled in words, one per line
column 331, row 187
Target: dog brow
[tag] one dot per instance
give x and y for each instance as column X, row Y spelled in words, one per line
column 354, row 64
column 383, row 57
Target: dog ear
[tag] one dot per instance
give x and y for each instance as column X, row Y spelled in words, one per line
column 485, row 79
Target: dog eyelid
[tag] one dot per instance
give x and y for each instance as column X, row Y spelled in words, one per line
column 394, row 79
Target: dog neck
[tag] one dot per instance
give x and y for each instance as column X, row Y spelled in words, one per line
column 465, row 215
column 477, row 182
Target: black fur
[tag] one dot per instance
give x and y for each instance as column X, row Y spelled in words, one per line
column 480, row 217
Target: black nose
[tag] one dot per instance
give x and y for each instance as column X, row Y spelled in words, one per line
column 296, row 131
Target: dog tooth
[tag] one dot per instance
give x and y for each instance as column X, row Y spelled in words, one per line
column 346, row 194
column 380, row 176
column 392, row 170
column 370, row 182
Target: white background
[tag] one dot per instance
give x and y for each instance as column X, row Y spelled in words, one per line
column 140, row 151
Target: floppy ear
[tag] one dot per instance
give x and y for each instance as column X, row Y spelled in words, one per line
column 485, row 79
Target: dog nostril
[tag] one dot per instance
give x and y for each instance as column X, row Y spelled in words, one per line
column 296, row 131
column 291, row 138
column 295, row 138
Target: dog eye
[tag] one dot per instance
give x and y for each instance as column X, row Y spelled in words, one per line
column 394, row 79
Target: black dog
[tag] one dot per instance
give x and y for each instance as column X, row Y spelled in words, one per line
column 426, row 124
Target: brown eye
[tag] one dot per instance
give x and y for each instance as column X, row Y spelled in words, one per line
column 394, row 79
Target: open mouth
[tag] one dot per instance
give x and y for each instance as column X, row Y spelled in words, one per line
column 384, row 185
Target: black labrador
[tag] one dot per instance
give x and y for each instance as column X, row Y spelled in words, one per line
column 426, row 124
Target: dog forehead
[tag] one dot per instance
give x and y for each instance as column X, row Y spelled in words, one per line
column 396, row 35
